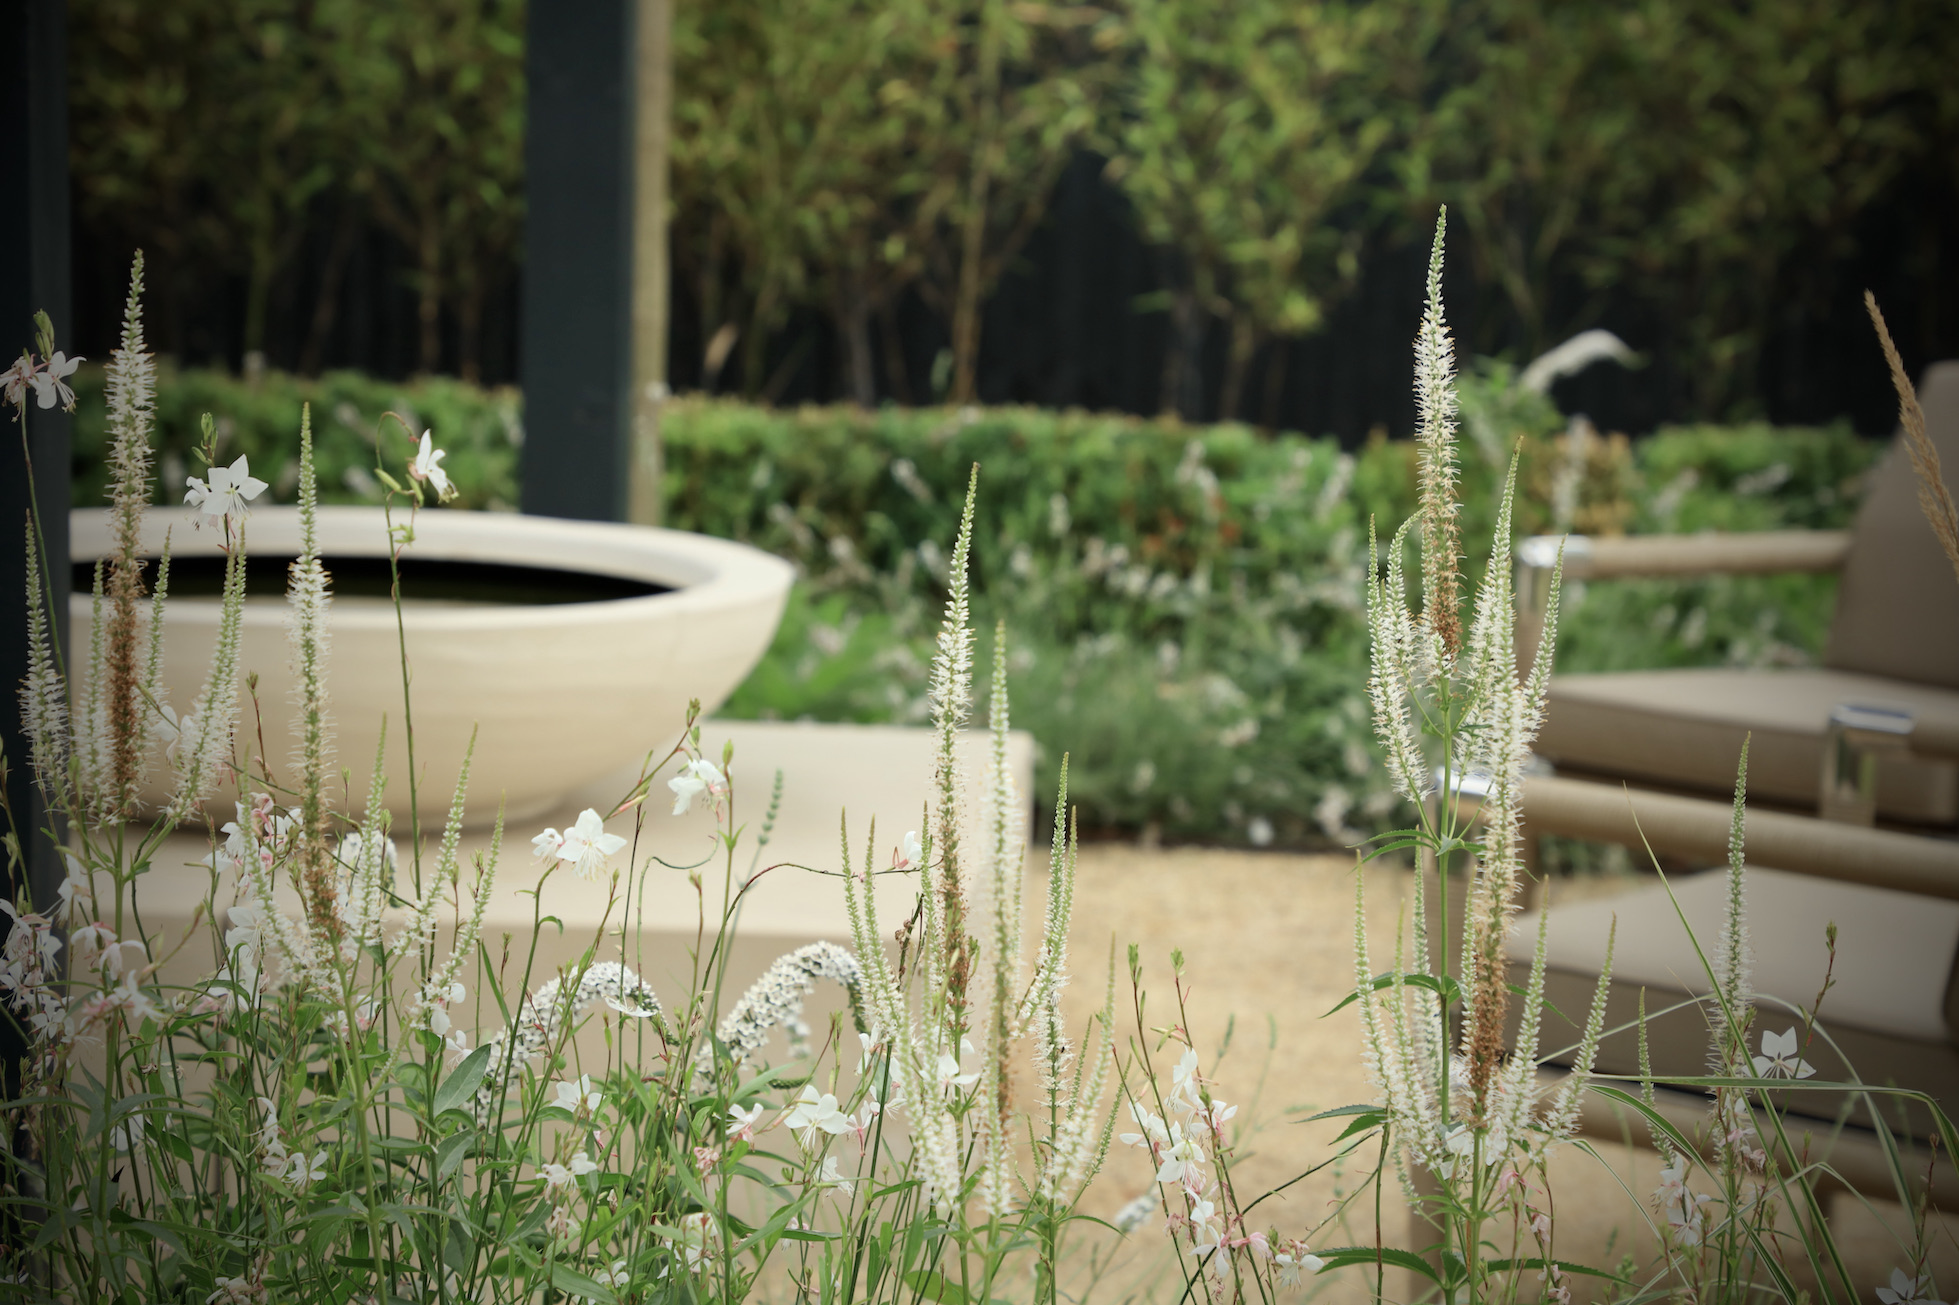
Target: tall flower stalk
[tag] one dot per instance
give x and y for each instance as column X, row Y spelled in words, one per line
column 1456, row 716
column 926, row 1007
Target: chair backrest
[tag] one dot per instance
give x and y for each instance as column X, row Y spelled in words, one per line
column 1898, row 601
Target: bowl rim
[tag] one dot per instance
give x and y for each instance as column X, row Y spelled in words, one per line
column 704, row 575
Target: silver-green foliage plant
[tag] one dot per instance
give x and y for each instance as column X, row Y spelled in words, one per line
column 315, row 1117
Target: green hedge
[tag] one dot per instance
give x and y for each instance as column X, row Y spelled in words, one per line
column 1182, row 603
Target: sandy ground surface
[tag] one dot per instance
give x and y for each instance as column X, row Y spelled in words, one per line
column 1267, row 943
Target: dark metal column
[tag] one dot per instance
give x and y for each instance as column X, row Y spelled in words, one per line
column 33, row 276
column 578, row 247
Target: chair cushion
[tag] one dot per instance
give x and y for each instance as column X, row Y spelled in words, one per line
column 1888, row 1008
column 1685, row 728
column 1898, row 602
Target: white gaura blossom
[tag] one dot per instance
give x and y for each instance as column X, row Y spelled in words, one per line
column 51, row 382
column 577, row 1096
column 1908, row 1290
column 427, row 468
column 1779, row 1058
column 815, row 1112
column 227, row 496
column 698, row 776
column 586, row 845
column 742, row 1122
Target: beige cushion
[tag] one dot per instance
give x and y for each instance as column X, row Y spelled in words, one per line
column 1898, row 603
column 1685, row 728
column 1887, row 1011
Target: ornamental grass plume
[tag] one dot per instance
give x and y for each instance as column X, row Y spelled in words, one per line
column 1934, row 497
column 1458, row 1105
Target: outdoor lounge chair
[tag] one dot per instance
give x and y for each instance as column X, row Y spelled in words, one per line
column 1649, row 759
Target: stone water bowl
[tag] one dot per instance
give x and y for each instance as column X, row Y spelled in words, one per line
column 571, row 647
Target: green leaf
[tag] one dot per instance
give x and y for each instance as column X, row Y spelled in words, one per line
column 1565, row 1266
column 1448, row 987
column 933, row 1286
column 463, row 1081
column 574, row 1283
column 1362, row 1124
column 450, row 1155
column 1653, row 1117
column 1342, row 1256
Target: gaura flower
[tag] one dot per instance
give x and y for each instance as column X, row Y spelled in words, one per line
column 948, row 1068
column 1907, row 1290
column 577, row 1096
column 695, row 778
column 50, row 382
column 303, row 1172
column 1182, row 1159
column 557, row 1175
column 15, row 381
column 545, row 846
column 227, row 494
column 863, row 1121
column 1294, row 1260
column 911, row 855
column 427, row 466
column 1681, row 1207
column 586, row 844
column 744, row 1122
column 813, row 1111
column 832, row 1176
column 1779, row 1058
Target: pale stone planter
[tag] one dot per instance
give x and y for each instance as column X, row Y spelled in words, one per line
column 561, row 693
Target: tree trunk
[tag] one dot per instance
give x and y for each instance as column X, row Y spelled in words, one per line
column 1183, row 360
column 1238, row 362
column 1275, row 384
column 755, row 349
column 896, row 373
column 853, row 312
column 326, row 308
column 258, row 291
column 428, row 306
column 469, row 328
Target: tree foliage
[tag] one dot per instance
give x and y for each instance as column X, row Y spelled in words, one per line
column 1689, row 173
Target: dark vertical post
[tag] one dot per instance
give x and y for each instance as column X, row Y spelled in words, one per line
column 578, row 282
column 33, row 276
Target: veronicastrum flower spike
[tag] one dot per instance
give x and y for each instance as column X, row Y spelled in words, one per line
column 1453, row 1093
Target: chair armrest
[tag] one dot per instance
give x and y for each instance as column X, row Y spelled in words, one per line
column 1698, row 827
column 1597, row 558
column 1589, row 557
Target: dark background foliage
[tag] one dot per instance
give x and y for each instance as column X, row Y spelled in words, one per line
column 1185, row 211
